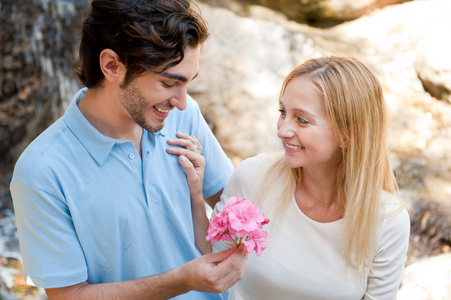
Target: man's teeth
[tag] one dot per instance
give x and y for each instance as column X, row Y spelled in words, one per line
column 162, row 110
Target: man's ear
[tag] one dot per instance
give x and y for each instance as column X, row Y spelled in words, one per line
column 111, row 67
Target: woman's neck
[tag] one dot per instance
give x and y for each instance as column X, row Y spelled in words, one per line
column 317, row 197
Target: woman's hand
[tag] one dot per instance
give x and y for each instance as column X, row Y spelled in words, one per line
column 194, row 164
column 191, row 160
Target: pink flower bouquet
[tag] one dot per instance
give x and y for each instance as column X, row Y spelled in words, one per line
column 239, row 220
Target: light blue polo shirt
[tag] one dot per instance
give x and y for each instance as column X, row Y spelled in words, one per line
column 89, row 208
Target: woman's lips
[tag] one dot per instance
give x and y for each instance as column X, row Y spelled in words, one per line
column 292, row 148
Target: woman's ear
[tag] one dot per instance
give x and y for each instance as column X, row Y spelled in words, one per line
column 111, row 67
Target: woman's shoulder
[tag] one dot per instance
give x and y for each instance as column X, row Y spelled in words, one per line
column 248, row 173
column 390, row 203
column 258, row 162
column 253, row 168
column 394, row 211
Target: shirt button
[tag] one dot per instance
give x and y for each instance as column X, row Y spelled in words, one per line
column 131, row 155
column 148, row 152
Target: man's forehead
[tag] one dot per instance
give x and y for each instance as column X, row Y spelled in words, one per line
column 185, row 70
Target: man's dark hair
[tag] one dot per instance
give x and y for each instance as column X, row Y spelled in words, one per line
column 146, row 34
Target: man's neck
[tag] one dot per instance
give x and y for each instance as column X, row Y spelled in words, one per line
column 103, row 111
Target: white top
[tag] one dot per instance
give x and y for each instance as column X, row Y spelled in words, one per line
column 304, row 258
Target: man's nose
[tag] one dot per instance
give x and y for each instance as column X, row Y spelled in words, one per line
column 179, row 100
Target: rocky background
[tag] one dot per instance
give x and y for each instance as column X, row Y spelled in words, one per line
column 253, row 46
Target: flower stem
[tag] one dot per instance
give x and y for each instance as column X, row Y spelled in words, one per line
column 237, row 244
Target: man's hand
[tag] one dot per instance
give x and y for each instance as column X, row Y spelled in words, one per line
column 215, row 272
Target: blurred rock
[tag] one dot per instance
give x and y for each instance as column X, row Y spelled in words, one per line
column 429, row 278
column 432, row 62
column 430, row 232
column 324, row 12
column 12, row 283
column 36, row 70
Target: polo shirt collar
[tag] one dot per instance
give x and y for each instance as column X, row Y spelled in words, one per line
column 162, row 132
column 97, row 144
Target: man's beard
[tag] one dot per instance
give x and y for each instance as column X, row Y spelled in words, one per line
column 137, row 107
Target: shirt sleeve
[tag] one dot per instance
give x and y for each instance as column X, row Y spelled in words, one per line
column 387, row 267
column 218, row 167
column 50, row 250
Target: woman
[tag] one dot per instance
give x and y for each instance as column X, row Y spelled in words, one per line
column 337, row 231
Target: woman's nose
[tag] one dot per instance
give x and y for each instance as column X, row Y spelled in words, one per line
column 284, row 128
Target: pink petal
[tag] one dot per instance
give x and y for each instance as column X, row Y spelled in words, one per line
column 250, row 245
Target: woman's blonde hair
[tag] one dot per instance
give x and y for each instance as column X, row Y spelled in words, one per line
column 354, row 102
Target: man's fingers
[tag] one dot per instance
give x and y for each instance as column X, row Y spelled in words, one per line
column 218, row 271
column 232, row 267
column 230, row 256
column 233, row 276
column 220, row 256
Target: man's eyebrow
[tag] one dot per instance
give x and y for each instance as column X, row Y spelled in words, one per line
column 176, row 76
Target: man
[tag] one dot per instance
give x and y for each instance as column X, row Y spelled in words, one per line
column 102, row 204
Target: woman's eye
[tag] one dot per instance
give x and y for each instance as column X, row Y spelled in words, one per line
column 303, row 121
column 282, row 112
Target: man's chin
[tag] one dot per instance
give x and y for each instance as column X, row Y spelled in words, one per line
column 154, row 127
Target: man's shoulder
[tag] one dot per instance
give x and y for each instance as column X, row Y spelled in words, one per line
column 37, row 157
